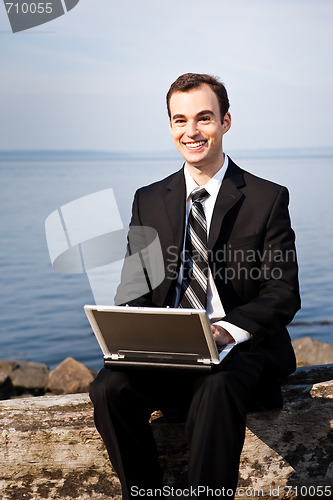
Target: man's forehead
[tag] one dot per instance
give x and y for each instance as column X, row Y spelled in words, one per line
column 196, row 100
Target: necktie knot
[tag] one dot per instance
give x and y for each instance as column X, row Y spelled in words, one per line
column 200, row 195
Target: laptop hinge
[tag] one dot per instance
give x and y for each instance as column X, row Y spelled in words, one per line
column 115, row 356
column 205, row 361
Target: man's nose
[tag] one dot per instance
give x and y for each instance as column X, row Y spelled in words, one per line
column 192, row 128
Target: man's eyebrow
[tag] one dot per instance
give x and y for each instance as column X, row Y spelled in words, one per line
column 175, row 117
column 201, row 113
column 205, row 112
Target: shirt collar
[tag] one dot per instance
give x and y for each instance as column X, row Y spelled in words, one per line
column 212, row 186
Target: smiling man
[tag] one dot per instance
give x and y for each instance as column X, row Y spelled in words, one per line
column 226, row 228
column 197, row 125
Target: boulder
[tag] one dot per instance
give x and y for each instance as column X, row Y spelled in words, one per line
column 6, row 386
column 312, row 352
column 51, row 450
column 70, row 377
column 25, row 376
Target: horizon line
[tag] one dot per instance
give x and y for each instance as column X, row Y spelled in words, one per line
column 283, row 152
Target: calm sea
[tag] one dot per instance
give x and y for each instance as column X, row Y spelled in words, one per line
column 42, row 316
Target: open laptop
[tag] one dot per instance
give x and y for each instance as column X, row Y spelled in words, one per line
column 154, row 337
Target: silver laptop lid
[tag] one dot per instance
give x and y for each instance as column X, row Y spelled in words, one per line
column 148, row 335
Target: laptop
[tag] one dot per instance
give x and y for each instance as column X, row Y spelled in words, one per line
column 149, row 337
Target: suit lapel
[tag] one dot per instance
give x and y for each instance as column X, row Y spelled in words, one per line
column 174, row 201
column 172, row 230
column 228, row 196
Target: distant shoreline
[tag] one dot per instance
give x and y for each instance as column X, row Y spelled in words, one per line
column 90, row 155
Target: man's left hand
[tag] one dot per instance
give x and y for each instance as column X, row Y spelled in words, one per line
column 221, row 336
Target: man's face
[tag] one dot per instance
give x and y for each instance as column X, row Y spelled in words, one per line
column 196, row 126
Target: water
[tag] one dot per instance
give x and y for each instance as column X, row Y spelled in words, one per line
column 42, row 316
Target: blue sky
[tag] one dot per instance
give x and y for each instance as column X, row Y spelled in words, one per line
column 96, row 78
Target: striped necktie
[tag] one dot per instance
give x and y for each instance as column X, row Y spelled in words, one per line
column 195, row 275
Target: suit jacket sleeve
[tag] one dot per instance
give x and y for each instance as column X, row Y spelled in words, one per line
column 134, row 288
column 266, row 312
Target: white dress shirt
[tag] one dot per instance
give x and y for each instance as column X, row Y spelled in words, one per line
column 214, row 306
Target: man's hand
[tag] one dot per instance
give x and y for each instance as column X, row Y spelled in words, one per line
column 221, row 336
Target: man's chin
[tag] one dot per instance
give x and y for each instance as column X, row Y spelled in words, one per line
column 195, row 163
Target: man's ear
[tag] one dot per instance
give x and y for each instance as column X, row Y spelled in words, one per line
column 226, row 122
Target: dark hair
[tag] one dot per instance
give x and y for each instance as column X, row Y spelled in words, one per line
column 190, row 81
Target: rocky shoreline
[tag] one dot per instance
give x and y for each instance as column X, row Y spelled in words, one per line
column 26, row 378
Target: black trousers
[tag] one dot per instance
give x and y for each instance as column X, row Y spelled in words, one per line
column 216, row 405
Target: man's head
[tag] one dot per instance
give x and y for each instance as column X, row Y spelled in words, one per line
column 190, row 81
column 199, row 117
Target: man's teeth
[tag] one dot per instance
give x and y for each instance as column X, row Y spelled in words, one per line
column 195, row 144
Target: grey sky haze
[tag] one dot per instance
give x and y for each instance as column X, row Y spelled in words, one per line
column 96, row 78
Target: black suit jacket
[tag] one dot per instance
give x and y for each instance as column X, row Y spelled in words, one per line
column 251, row 250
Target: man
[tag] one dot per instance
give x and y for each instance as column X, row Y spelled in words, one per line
column 235, row 255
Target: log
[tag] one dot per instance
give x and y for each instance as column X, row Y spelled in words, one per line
column 49, row 448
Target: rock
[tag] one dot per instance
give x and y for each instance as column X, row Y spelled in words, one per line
column 70, row 377
column 309, row 375
column 311, row 352
column 50, row 448
column 6, row 366
column 6, row 386
column 26, row 376
column 295, row 444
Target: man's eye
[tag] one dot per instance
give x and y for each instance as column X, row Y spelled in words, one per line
column 179, row 121
column 205, row 119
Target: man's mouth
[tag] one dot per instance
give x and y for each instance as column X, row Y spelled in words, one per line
column 194, row 145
